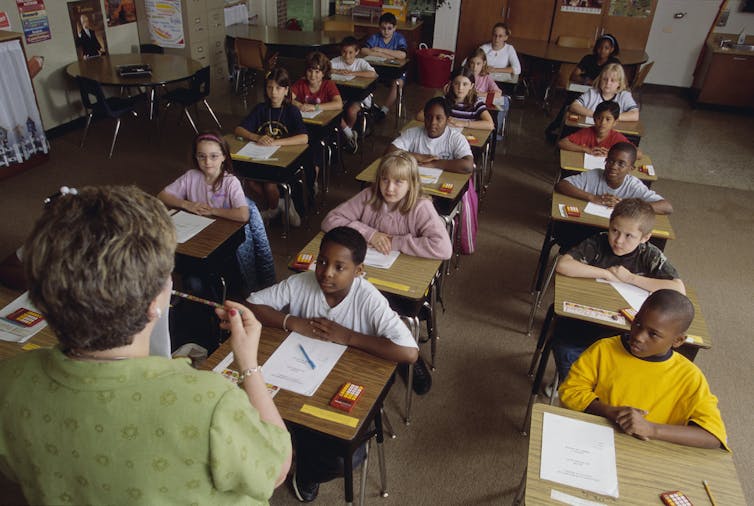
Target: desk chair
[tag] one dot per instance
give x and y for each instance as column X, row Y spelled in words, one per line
column 251, row 56
column 94, row 101
column 198, row 91
column 562, row 77
column 638, row 82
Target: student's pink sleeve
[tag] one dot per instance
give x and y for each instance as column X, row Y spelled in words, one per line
column 350, row 214
column 429, row 237
column 236, row 196
column 179, row 187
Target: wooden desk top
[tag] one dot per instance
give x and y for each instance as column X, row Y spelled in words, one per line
column 624, row 127
column 589, row 292
column 393, row 63
column 544, row 50
column 662, row 230
column 459, row 181
column 402, row 26
column 274, row 36
column 355, row 366
column 322, row 119
column 208, row 240
column 166, row 68
column 645, row 469
column 283, row 157
column 361, row 83
column 410, row 277
column 479, row 136
column 45, row 338
column 574, row 161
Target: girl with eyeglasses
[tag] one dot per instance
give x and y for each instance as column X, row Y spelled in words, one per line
column 210, row 189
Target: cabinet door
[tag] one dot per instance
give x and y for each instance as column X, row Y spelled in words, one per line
column 729, row 81
column 530, row 19
column 631, row 31
column 575, row 24
column 475, row 24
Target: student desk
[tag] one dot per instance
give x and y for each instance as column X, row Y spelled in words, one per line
column 356, row 90
column 633, row 130
column 481, row 140
column 573, row 161
column 166, row 69
column 285, row 168
column 320, row 126
column 391, row 69
column 409, row 285
column 356, row 366
column 604, row 298
column 645, row 469
column 45, row 338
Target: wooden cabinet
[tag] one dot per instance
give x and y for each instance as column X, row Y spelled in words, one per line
column 530, row 19
column 725, row 79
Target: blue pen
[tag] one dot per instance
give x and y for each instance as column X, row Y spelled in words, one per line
column 307, row 357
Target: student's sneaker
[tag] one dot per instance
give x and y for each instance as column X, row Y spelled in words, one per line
column 293, row 218
column 352, row 143
column 550, row 390
column 422, row 381
column 305, row 492
column 377, row 113
column 269, row 214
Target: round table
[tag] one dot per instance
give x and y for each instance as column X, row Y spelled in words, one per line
column 291, row 43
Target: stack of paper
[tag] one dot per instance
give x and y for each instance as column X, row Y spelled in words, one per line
column 376, row 259
column 375, row 59
column 634, row 295
column 342, row 77
column 429, row 175
column 309, row 114
column 256, row 151
column 598, row 210
column 593, row 162
column 187, row 225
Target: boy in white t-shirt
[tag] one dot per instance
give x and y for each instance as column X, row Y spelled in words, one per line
column 436, row 145
column 348, row 64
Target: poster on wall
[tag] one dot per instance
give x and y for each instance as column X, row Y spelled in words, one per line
column 582, row 6
column 87, row 24
column 631, row 8
column 34, row 20
column 4, row 21
column 165, row 23
column 120, row 12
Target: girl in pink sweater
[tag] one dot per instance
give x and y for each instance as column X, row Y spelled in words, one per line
column 394, row 214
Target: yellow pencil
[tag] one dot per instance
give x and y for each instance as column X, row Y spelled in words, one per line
column 194, row 298
column 709, row 492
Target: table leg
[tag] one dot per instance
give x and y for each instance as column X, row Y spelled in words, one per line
column 399, row 108
column 286, row 208
column 151, row 102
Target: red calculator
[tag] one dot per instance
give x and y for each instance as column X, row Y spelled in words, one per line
column 25, row 317
column 345, row 398
column 675, row 498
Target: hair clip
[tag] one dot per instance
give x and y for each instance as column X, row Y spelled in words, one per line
column 64, row 190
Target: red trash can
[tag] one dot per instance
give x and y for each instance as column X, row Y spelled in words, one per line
column 434, row 66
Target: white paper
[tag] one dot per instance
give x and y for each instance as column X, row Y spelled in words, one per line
column 187, row 225
column 578, row 454
column 651, row 170
column 14, row 332
column 598, row 210
column 594, row 162
column 374, row 58
column 634, row 295
column 559, row 496
column 342, row 77
column 288, row 369
column 429, row 175
column 376, row 259
column 579, row 88
column 589, row 120
column 561, row 208
column 309, row 114
column 257, row 151
column 504, row 77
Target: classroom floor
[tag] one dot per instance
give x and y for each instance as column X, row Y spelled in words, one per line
column 464, row 446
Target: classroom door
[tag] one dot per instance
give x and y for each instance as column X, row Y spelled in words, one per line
column 530, row 19
column 475, row 24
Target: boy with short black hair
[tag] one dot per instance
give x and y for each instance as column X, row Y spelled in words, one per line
column 598, row 139
column 624, row 254
column 390, row 44
column 348, row 64
column 609, row 185
column 337, row 304
column 642, row 385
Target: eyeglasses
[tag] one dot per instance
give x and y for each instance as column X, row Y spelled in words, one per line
column 618, row 163
column 211, row 157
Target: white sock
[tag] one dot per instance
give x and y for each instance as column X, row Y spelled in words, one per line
column 348, row 132
column 385, row 109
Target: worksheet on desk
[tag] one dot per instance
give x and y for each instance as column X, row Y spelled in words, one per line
column 632, row 294
column 429, row 175
column 579, row 454
column 594, row 162
column 310, row 114
column 504, row 77
column 376, row 259
column 257, row 151
column 289, row 368
column 598, row 210
column 187, row 225
column 15, row 332
column 342, row 77
column 375, row 59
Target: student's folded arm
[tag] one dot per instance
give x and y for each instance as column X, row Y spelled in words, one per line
column 430, row 239
column 576, row 391
column 576, row 75
column 689, row 435
column 577, row 108
column 567, row 145
column 235, row 214
column 267, row 315
column 569, row 266
column 484, row 121
column 294, row 140
column 662, row 207
column 420, row 115
column 599, row 408
column 384, row 348
column 171, row 200
column 570, row 190
column 335, row 104
column 242, row 132
column 654, row 284
column 632, row 115
column 461, row 165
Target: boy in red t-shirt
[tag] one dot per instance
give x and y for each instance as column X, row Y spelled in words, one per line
column 598, row 139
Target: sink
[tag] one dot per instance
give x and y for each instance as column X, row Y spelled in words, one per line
column 739, row 47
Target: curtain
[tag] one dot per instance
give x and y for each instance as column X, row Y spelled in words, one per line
column 21, row 132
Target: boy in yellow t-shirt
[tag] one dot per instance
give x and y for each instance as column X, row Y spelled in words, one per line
column 639, row 382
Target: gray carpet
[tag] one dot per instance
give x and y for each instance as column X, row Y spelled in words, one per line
column 463, row 446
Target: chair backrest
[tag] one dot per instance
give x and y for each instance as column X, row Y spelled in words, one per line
column 573, row 41
column 92, row 95
column 641, row 75
column 151, row 48
column 200, row 82
column 250, row 54
column 334, row 25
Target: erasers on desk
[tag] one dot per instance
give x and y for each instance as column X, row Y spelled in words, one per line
column 573, row 117
column 646, row 169
column 345, row 398
column 471, row 139
column 629, row 314
column 572, row 211
column 446, row 187
column 303, row 261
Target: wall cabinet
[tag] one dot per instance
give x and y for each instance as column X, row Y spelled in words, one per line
column 725, row 79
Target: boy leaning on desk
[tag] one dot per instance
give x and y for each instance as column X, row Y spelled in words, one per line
column 337, row 304
column 640, row 383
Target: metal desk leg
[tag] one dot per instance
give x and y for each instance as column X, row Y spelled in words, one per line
column 413, row 326
column 521, row 489
column 537, row 382
column 288, row 203
column 348, row 477
column 381, row 453
column 399, row 107
column 432, row 324
column 364, row 469
column 151, row 102
column 541, row 340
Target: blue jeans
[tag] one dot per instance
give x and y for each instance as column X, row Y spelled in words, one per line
column 571, row 338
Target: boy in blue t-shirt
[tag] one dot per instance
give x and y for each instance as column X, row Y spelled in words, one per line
column 392, row 45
